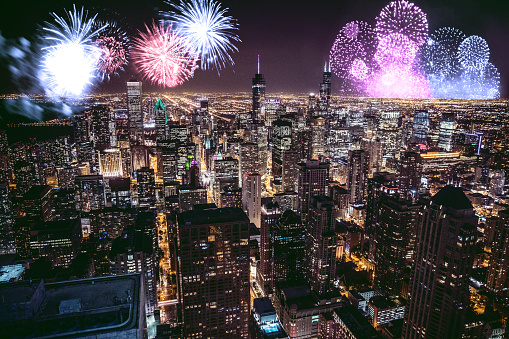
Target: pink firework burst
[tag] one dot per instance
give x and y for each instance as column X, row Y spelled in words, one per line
column 395, row 49
column 113, row 55
column 163, row 57
column 405, row 18
column 359, row 69
column 399, row 82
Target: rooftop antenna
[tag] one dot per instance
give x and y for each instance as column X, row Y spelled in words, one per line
column 258, row 63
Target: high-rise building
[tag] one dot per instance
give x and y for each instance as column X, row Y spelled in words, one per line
column 273, row 109
column 161, row 118
column 323, row 101
column 439, row 284
column 63, row 204
column 313, row 180
column 321, row 244
column 37, row 204
column 146, row 188
column 497, row 280
column 388, row 133
column 226, row 175
column 248, row 159
column 110, row 162
column 420, row 127
column 446, row 133
column 394, row 236
column 317, row 137
column 90, row 193
column 409, row 175
column 282, row 141
column 270, row 215
column 290, row 171
column 358, row 169
column 213, row 273
column 7, row 245
column 258, row 87
column 135, row 112
column 265, row 323
column 288, row 247
column 190, row 196
column 252, row 197
column 101, row 116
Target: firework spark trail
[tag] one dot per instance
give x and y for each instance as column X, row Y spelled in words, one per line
column 395, row 49
column 114, row 45
column 204, row 24
column 69, row 62
column 405, row 18
column 439, row 53
column 162, row 56
column 474, row 53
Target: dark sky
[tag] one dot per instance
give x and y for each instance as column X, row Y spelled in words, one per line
column 293, row 38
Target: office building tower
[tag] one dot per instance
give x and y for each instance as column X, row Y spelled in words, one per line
column 248, row 159
column 439, row 284
column 259, row 135
column 420, row 127
column 7, row 221
column 191, row 195
column 213, row 273
column 135, row 112
column 317, row 137
column 269, row 216
column 258, row 88
column 341, row 198
column 146, row 187
column 346, row 322
column 101, row 116
column 358, row 169
column 251, row 197
column 24, row 176
column 140, row 157
column 321, row 244
column 387, row 132
column 226, row 175
column 133, row 253
column 90, row 193
column 287, row 201
column 497, row 280
column 37, row 203
column 394, row 235
column 447, row 131
column 288, row 248
column 120, row 192
column 409, row 175
column 230, row 197
column 63, row 204
column 265, row 323
column 178, row 133
column 110, row 162
column 290, row 171
column 338, row 143
column 323, row 102
column 97, row 307
column 193, row 174
column 126, row 155
column 59, row 241
column 497, row 182
column 313, row 180
column 281, row 141
column 161, row 118
column 110, row 222
column 273, row 109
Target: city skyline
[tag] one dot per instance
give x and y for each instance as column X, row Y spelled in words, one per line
column 293, row 41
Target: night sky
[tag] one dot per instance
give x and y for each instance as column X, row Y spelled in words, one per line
column 292, row 38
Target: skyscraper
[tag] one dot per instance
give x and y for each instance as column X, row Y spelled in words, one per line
column 447, row 130
column 323, row 101
column 161, row 120
column 146, row 187
column 258, row 88
column 497, row 280
column 420, row 127
column 313, row 180
column 440, row 278
column 409, row 175
column 135, row 111
column 282, row 141
column 213, row 273
column 269, row 216
column 321, row 244
column 251, row 197
column 358, row 169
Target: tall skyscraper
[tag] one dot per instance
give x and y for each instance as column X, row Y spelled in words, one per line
column 439, row 284
column 323, row 101
column 313, row 180
column 161, row 120
column 251, row 197
column 358, row 169
column 269, row 216
column 146, row 187
column 213, row 273
column 135, row 111
column 409, row 175
column 497, row 280
column 388, row 133
column 282, row 141
column 321, row 244
column 258, row 88
column 447, row 130
column 248, row 159
column 420, row 127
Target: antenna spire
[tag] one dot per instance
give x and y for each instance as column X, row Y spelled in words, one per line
column 258, row 64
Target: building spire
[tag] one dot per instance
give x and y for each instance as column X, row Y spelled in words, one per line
column 258, row 64
column 325, row 67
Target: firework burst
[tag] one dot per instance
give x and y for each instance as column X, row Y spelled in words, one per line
column 70, row 59
column 474, row 53
column 439, row 53
column 208, row 29
column 162, row 56
column 402, row 17
column 114, row 45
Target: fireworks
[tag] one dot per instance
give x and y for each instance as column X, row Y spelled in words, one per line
column 474, row 53
column 206, row 27
column 439, row 54
column 114, row 45
column 162, row 56
column 395, row 49
column 402, row 17
column 69, row 62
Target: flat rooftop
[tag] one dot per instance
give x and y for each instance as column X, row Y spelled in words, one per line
column 11, row 272
column 212, row 216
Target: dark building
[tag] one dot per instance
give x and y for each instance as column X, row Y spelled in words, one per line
column 63, row 204
column 313, row 180
column 89, row 192
column 146, row 188
column 497, row 280
column 321, row 244
column 288, row 247
column 106, row 307
column 346, row 322
column 282, row 141
column 409, row 175
column 213, row 272
column 161, row 120
column 258, row 88
column 135, row 112
column 269, row 217
column 439, row 283
column 358, row 169
column 37, row 203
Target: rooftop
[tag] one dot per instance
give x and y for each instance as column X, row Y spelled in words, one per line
column 212, row 216
column 452, row 197
column 11, row 272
